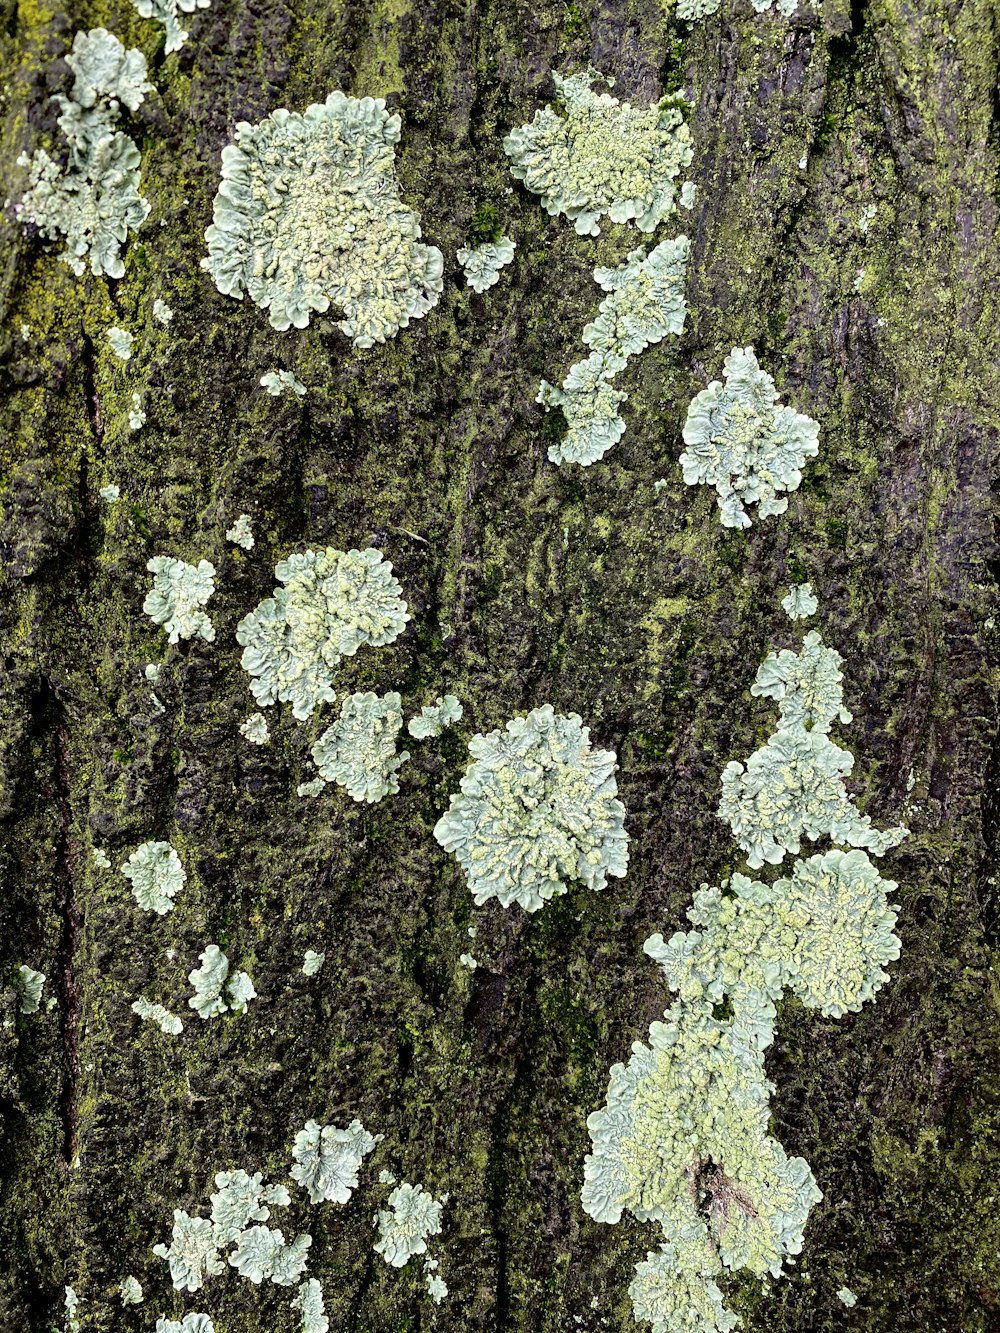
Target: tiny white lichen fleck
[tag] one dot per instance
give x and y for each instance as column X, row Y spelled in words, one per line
column 136, row 416
column 157, row 876
column 109, row 493
column 308, row 215
column 437, row 1288
column 537, row 807
column 435, row 717
column 386, row 1177
column 162, row 312
column 255, row 729
column 312, row 788
column 467, row 960
column 71, row 1304
column 100, row 858
column 689, row 193
column 313, row 962
column 743, row 443
column 331, row 603
column 847, row 1297
column 166, row 12
column 130, row 1291
column 240, row 533
column 310, row 1302
column 277, row 382
column 167, row 1022
column 178, row 593
column 358, row 752
column 152, row 671
column 31, row 988
column 415, row 1214
column 240, row 992
column 800, row 602
column 327, row 1159
column 482, row 264
column 121, row 342
column 591, row 156
column 192, row 1253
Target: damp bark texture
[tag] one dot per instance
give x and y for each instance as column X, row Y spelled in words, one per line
column 591, row 589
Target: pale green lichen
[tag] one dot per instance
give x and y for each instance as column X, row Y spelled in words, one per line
column 166, row 12
column 312, row 962
column 110, row 493
column 136, row 415
column 130, row 1291
column 327, row 1159
column 192, row 1253
column 332, row 602
column 262, row 1252
column 674, row 1288
column 121, row 342
column 240, row 1199
column 644, row 305
column 277, row 382
column 415, row 1214
column 467, row 960
column 167, row 1022
column 800, row 603
column 589, row 402
column 178, row 593
column 193, row 1322
column 71, row 1305
column 309, row 1301
column 692, row 10
column 31, row 988
column 100, row 858
column 358, row 752
column 433, row 718
column 308, row 215
column 482, row 264
column 162, row 312
column 255, row 729
column 240, row 533
column 806, row 685
column 437, row 1288
column 538, row 808
column 95, row 200
column 157, row 876
column 210, row 979
column 688, row 195
column 847, row 1297
column 743, row 443
column 312, row 788
column 590, row 156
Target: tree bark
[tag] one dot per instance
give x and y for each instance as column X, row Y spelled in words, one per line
column 527, row 584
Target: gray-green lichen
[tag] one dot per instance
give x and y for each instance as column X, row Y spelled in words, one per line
column 415, row 1214
column 674, row 1288
column 31, row 988
column 644, row 305
column 538, row 807
column 277, row 382
column 157, row 876
column 193, row 1322
column 437, row 1288
column 743, row 443
column 308, row 215
column 806, row 685
column 331, row 603
column 262, row 1252
column 800, row 603
column 255, row 729
column 240, row 533
column 433, row 718
column 309, row 1301
column 121, row 342
column 693, row 10
column 847, row 1297
column 110, row 493
column 358, row 752
column 166, row 12
column 327, row 1159
column 591, row 156
column 167, row 1022
column 312, row 962
column 162, row 312
column 136, row 415
column 240, row 1199
column 94, row 201
column 101, row 858
column 178, row 593
column 210, row 979
column 192, row 1253
column 312, row 788
column 130, row 1291
column 71, row 1305
column 482, row 264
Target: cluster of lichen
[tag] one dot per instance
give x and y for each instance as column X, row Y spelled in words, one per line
column 93, row 201
column 482, row 264
column 331, row 603
column 538, row 807
column 683, row 1137
column 590, row 156
column 327, row 1159
column 433, row 718
column 178, row 593
column 215, row 991
column 413, row 1215
column 742, row 442
column 166, row 12
column 358, row 752
column 644, row 305
column 157, row 876
column 308, row 215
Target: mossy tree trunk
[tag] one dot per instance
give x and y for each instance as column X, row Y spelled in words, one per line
column 588, row 589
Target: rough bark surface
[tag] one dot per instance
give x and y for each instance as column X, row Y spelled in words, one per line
column 527, row 583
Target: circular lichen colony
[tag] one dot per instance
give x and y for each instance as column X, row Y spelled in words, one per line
column 308, row 215
column 331, row 603
column 537, row 807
